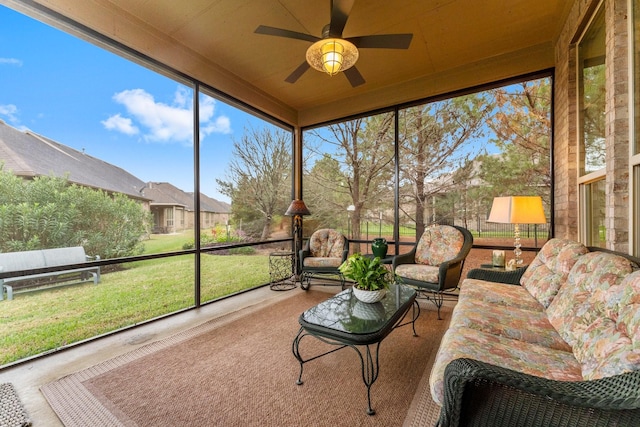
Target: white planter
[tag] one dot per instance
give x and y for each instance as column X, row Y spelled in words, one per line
column 369, row 296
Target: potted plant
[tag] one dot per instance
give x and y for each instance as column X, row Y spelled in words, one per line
column 371, row 277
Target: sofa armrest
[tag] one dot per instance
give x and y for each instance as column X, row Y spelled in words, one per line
column 480, row 394
column 499, row 276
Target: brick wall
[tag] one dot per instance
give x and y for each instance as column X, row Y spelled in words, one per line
column 617, row 123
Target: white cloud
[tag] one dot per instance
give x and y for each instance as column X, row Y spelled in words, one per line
column 163, row 122
column 120, row 124
column 11, row 61
column 221, row 125
column 10, row 112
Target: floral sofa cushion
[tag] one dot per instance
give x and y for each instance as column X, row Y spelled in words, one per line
column 573, row 309
column 498, row 294
column 509, row 322
column 326, row 247
column 550, row 268
column 610, row 344
column 438, row 243
column 513, row 354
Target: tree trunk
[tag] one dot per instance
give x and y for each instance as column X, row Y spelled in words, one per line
column 266, row 229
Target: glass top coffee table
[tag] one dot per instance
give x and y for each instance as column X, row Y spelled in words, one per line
column 344, row 321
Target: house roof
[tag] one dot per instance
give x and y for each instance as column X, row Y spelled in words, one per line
column 166, row 194
column 212, row 205
column 29, row 155
column 456, row 44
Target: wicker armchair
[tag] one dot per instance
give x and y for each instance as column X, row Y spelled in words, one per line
column 479, row 394
column 435, row 263
column 323, row 253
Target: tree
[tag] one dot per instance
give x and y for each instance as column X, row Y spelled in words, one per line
column 356, row 170
column 431, row 150
column 326, row 191
column 259, row 176
column 522, row 125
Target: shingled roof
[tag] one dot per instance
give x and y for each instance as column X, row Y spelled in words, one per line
column 164, row 193
column 28, row 154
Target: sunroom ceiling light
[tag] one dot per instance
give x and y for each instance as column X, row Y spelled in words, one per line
column 332, row 55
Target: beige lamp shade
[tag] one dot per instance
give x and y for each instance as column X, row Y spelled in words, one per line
column 517, row 210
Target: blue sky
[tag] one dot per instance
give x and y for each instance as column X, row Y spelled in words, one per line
column 90, row 99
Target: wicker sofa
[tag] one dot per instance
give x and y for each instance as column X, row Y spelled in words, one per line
column 560, row 349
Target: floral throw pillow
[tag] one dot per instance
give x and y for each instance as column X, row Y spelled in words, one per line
column 550, row 269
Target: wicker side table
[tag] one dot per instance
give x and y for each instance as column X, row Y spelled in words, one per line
column 281, row 272
column 497, row 274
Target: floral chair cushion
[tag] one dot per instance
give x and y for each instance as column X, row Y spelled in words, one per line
column 573, row 309
column 424, row 273
column 438, row 243
column 550, row 268
column 322, row 262
column 326, row 242
column 326, row 247
column 610, row 344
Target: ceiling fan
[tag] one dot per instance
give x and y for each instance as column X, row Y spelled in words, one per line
column 333, row 54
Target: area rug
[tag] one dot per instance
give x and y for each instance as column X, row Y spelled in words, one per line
column 12, row 413
column 239, row 370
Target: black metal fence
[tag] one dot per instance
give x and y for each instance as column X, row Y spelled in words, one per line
column 372, row 229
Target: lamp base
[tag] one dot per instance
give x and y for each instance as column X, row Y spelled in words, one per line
column 517, row 251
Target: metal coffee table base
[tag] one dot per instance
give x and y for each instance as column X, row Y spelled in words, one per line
column 368, row 361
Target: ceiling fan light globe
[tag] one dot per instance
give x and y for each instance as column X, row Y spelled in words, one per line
column 332, row 55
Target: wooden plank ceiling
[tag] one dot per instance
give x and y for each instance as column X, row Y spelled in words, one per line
column 456, row 44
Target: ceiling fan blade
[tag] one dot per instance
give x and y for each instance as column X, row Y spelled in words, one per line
column 279, row 32
column 383, row 41
column 340, row 10
column 297, row 73
column 354, row 76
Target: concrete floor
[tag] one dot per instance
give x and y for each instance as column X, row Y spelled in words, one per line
column 28, row 377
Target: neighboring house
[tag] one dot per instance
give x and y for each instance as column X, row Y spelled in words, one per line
column 173, row 209
column 28, row 155
column 213, row 212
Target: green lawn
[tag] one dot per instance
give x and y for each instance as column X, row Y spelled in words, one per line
column 158, row 243
column 37, row 322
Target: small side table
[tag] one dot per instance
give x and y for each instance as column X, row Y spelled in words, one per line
column 497, row 274
column 493, row 267
column 281, row 271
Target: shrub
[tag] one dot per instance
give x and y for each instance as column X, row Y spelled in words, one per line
column 49, row 212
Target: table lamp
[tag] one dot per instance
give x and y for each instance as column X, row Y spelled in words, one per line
column 517, row 210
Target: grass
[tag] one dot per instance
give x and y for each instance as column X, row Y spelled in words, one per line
column 159, row 243
column 41, row 321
